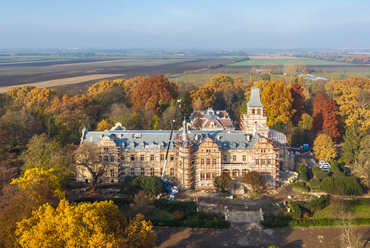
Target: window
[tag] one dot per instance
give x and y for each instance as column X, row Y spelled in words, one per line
column 214, row 161
column 105, row 158
column 234, row 158
column 132, row 157
column 244, row 158
column 122, row 157
column 142, row 171
column 224, row 158
column 142, row 158
column 112, row 158
column 100, row 159
column 152, row 171
column 202, row 176
column 132, row 172
column 112, row 173
column 207, row 176
column 268, row 161
column 262, row 161
column 257, row 161
column 162, row 157
column 208, row 161
column 263, row 150
column 258, row 111
column 106, row 149
column 172, row 158
column 172, row 171
column 151, row 157
column 202, row 161
column 253, row 111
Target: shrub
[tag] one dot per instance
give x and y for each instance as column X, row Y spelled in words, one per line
column 327, row 185
column 303, row 177
column 151, row 185
column 301, row 169
column 117, row 201
column 296, row 210
column 187, row 207
column 319, row 203
column 352, row 187
column 301, row 187
column 179, row 215
column 319, row 174
column 314, row 183
column 216, row 224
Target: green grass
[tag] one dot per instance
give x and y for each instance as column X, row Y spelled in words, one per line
column 357, row 212
column 258, row 62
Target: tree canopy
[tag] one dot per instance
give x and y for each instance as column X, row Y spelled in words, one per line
column 323, row 147
column 98, row 224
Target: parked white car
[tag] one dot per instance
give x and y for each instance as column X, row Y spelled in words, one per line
column 175, row 190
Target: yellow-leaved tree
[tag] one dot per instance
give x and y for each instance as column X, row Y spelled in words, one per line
column 277, row 100
column 98, row 224
column 323, row 147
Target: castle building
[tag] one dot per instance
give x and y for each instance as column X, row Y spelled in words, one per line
column 195, row 157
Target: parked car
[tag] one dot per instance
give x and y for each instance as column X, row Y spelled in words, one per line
column 175, row 190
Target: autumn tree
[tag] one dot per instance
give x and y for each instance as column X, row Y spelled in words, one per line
column 277, row 100
column 330, row 123
column 26, row 194
column 16, row 97
column 222, row 182
column 44, row 154
column 18, row 128
column 37, row 100
column 69, row 114
column 153, row 91
column 103, row 125
column 87, row 160
column 71, row 225
column 296, row 91
column 318, row 115
column 350, row 95
column 254, row 179
column 108, row 92
column 324, row 148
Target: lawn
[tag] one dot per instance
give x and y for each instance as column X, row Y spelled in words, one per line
column 357, row 212
column 257, row 62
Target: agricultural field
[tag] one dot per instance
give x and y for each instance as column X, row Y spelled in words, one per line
column 81, row 70
column 307, row 62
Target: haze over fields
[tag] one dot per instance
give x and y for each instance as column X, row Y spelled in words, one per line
column 184, row 24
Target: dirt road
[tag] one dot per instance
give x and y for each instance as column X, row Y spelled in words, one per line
column 244, row 236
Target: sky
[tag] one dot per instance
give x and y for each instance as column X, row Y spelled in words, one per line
column 189, row 24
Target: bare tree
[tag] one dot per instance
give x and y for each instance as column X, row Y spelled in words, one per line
column 87, row 157
column 349, row 237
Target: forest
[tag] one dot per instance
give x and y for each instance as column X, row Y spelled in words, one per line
column 40, row 131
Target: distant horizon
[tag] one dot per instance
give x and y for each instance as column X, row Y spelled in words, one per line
column 192, row 24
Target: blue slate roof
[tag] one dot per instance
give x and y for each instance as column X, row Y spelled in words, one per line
column 152, row 139
column 255, row 99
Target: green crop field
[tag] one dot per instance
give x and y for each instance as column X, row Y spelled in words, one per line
column 257, row 62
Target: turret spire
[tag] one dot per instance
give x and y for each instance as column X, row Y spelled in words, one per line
column 185, row 130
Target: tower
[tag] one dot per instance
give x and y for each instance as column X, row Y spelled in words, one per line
column 185, row 162
column 255, row 121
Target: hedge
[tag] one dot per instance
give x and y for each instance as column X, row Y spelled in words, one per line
column 117, row 201
column 187, row 207
column 216, row 224
column 318, row 203
column 360, row 201
column 312, row 223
